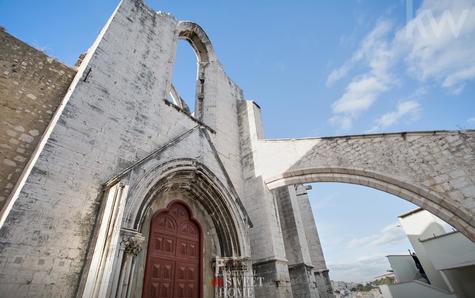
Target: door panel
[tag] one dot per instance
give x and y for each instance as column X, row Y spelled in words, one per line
column 173, row 256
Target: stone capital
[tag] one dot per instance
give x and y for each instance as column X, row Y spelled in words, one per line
column 132, row 242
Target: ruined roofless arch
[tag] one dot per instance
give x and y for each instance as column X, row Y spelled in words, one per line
column 116, row 152
column 154, row 183
column 434, row 170
column 199, row 41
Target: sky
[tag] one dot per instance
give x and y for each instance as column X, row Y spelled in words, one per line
column 358, row 228
column 317, row 68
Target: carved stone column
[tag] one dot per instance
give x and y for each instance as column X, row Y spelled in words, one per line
column 131, row 244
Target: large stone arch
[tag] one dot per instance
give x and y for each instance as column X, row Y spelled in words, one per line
column 434, row 170
column 423, row 198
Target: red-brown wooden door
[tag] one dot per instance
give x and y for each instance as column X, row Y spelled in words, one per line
column 173, row 258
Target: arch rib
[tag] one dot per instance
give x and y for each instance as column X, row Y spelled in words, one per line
column 435, row 171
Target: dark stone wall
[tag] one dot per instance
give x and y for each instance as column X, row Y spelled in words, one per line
column 32, row 86
column 324, row 286
column 272, row 285
column 302, row 281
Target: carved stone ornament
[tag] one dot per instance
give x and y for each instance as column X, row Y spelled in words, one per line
column 132, row 243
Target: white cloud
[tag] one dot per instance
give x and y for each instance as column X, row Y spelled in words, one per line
column 373, row 262
column 405, row 110
column 325, row 202
column 338, row 73
column 360, row 270
column 359, row 95
column 388, row 235
column 471, row 120
column 437, row 44
column 356, row 242
column 366, row 50
column 344, row 122
column 363, row 90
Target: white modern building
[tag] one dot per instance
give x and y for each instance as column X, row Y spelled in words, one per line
column 443, row 264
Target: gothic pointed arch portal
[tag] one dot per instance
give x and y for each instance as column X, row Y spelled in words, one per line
column 174, row 266
column 161, row 230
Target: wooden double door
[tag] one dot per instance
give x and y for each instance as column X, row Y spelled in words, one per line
column 173, row 267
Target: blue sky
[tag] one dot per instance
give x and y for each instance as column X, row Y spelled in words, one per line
column 316, row 68
column 358, row 228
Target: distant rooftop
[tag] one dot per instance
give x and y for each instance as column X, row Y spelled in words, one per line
column 411, row 212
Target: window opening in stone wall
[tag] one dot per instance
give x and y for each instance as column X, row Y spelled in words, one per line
column 183, row 88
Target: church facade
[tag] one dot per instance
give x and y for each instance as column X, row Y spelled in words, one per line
column 111, row 187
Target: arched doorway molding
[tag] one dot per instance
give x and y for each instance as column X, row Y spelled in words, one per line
column 192, row 177
column 117, row 256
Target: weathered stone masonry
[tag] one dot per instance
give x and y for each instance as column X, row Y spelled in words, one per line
column 31, row 88
column 307, row 268
column 116, row 152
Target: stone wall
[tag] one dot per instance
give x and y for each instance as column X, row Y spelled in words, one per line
column 319, row 270
column 302, row 244
column 32, row 85
column 296, row 243
column 267, row 243
column 311, row 232
column 114, row 115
